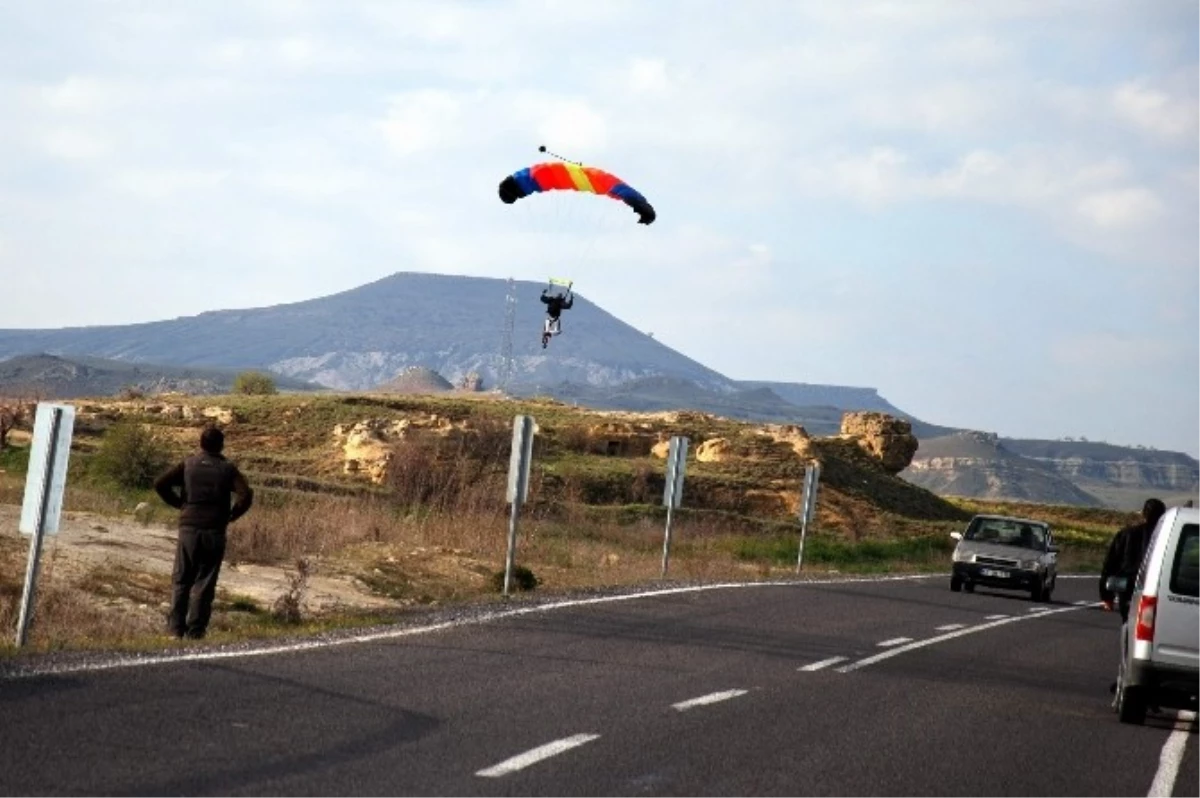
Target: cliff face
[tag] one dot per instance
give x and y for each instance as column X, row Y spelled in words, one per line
column 981, row 465
column 1114, row 466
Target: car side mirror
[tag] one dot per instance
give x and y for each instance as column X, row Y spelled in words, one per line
column 956, row 535
column 1053, row 548
column 1116, row 584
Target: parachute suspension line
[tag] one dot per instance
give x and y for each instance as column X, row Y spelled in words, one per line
column 542, row 148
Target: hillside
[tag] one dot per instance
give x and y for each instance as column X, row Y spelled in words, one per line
column 359, row 338
column 452, row 327
column 978, row 466
column 53, row 377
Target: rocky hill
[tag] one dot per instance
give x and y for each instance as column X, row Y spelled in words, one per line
column 453, row 328
column 416, row 379
column 981, row 465
column 359, row 338
column 53, row 377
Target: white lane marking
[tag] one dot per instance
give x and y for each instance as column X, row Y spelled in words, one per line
column 895, row 641
column 1171, row 757
column 711, row 698
column 995, row 617
column 139, row 660
column 1082, row 603
column 1039, row 609
column 892, row 652
column 535, row 755
column 950, row 627
column 825, row 663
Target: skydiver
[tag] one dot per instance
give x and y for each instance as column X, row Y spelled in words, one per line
column 555, row 305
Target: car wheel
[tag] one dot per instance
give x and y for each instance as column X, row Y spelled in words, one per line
column 955, row 583
column 1039, row 592
column 969, row 587
column 1131, row 705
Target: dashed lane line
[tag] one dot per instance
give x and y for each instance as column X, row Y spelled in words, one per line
column 825, row 663
column 950, row 627
column 711, row 698
column 892, row 652
column 895, row 641
column 535, row 755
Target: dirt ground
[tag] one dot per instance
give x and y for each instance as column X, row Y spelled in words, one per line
column 91, row 544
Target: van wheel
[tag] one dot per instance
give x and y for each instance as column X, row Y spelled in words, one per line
column 955, row 584
column 969, row 587
column 1039, row 592
column 1131, row 705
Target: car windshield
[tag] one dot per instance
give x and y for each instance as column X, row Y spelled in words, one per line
column 1007, row 532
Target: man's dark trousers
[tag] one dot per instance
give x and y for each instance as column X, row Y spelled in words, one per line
column 197, row 564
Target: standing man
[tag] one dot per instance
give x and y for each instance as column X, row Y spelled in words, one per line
column 1125, row 554
column 201, row 487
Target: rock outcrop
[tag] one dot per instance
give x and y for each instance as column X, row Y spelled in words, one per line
column 979, row 465
column 416, row 380
column 884, row 437
column 366, row 446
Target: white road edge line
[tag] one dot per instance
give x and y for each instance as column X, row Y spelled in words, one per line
column 1171, row 757
column 141, row 660
column 711, row 698
column 895, row 641
column 825, row 663
column 892, row 652
column 536, row 755
column 950, row 627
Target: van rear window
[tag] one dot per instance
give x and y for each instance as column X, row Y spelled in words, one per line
column 1185, row 571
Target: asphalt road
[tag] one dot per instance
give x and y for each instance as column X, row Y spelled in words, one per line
column 895, row 687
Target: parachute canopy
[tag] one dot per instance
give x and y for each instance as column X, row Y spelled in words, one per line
column 567, row 176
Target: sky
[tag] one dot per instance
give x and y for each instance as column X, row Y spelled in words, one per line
column 985, row 210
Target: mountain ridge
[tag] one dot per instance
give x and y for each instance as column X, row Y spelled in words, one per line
column 455, row 327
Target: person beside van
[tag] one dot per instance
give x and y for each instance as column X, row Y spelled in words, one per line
column 1124, row 556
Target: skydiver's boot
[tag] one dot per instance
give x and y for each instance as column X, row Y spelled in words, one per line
column 545, row 339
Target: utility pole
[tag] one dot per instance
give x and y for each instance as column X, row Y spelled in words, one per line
column 506, row 337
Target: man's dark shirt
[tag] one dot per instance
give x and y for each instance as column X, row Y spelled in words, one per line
column 201, row 486
column 1124, row 556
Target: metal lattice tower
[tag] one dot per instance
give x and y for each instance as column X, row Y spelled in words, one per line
column 506, row 336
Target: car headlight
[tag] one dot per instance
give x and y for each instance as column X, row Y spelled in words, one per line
column 960, row 557
column 1030, row 565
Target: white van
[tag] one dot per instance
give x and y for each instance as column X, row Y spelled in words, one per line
column 1160, row 644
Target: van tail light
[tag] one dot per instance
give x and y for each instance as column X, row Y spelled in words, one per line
column 1145, row 619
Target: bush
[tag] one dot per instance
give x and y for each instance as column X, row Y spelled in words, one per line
column 522, row 579
column 130, row 455
column 254, row 383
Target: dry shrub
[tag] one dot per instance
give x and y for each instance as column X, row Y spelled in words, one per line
column 306, row 526
column 289, row 607
column 463, row 473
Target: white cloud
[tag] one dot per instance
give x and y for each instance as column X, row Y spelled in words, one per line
column 421, row 121
column 1121, row 208
column 164, row 183
column 1157, row 112
column 648, row 76
column 78, row 94
column 73, row 144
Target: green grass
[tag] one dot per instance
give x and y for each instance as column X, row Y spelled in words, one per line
column 868, row 555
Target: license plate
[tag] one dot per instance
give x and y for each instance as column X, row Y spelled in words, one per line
column 994, row 573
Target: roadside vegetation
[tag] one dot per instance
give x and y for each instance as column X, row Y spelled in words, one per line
column 433, row 529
